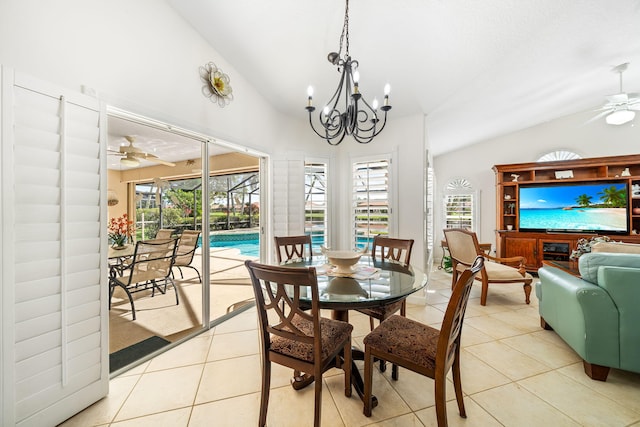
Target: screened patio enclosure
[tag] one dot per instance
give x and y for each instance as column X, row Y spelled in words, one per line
column 177, row 204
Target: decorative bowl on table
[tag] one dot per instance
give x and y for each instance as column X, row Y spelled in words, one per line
column 344, row 261
column 344, row 286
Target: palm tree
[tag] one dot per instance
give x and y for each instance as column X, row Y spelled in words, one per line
column 616, row 198
column 584, row 200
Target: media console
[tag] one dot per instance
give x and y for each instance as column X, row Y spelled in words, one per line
column 540, row 245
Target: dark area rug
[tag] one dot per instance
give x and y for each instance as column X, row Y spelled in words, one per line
column 134, row 352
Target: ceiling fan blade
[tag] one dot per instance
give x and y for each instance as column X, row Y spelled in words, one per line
column 618, row 98
column 599, row 116
column 155, row 159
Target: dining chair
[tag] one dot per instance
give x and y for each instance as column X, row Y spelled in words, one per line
column 423, row 349
column 293, row 247
column 464, row 247
column 187, row 245
column 150, row 268
column 292, row 337
column 390, row 250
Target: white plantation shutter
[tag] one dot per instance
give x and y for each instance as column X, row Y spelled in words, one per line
column 288, row 197
column 54, row 274
column 371, row 199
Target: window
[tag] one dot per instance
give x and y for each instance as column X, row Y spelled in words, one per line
column 460, row 205
column 558, row 155
column 315, row 203
column 371, row 203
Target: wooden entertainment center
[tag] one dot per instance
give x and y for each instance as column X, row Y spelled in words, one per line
column 538, row 246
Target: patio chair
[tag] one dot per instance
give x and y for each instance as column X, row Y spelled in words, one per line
column 390, row 250
column 150, row 268
column 164, row 233
column 464, row 247
column 187, row 246
column 291, row 337
column 423, row 349
column 293, row 247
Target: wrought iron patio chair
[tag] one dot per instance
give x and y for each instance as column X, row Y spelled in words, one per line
column 149, row 269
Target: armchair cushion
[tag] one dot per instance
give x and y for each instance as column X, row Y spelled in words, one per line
column 500, row 272
column 616, row 247
column 590, row 263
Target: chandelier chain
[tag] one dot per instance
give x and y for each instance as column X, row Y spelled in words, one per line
column 345, row 31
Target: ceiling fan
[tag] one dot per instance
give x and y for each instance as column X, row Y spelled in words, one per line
column 620, row 107
column 131, row 155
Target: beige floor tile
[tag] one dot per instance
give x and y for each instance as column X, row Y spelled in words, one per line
column 227, row 378
column 162, row 391
column 294, row 408
column 514, row 406
column 519, row 319
column 407, row 420
column 175, row 418
column 427, row 315
column 415, row 389
column 234, row 412
column 543, row 351
column 493, row 326
column 622, row 387
column 509, row 362
column 188, row 353
column 390, row 403
column 104, row 410
column 478, row 376
column 225, row 346
column 476, row 416
column 579, row 401
column 245, row 321
column 472, row 336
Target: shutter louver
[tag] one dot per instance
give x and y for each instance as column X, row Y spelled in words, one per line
column 58, row 269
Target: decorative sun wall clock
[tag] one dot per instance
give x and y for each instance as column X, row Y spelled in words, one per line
column 216, row 84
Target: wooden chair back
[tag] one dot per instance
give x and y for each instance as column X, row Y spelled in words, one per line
column 293, row 337
column 448, row 346
column 387, row 248
column 293, row 247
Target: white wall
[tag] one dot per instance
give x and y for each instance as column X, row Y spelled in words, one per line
column 137, row 55
column 571, row 133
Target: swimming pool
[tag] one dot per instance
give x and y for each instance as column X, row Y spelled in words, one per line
column 247, row 243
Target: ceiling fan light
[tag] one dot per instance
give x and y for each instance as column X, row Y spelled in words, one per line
column 620, row 117
column 129, row 161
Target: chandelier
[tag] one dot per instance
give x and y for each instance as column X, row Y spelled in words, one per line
column 357, row 118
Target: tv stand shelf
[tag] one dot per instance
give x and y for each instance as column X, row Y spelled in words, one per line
column 537, row 246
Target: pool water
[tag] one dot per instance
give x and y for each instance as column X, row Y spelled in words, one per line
column 247, row 243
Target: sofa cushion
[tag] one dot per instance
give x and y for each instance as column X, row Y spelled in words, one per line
column 616, row 247
column 589, row 263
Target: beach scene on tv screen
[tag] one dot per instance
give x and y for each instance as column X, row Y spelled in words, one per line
column 574, row 207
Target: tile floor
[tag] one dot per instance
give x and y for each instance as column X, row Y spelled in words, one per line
column 513, row 374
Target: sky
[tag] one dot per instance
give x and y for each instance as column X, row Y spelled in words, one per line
column 559, row 196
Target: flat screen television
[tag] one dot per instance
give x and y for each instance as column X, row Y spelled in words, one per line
column 588, row 207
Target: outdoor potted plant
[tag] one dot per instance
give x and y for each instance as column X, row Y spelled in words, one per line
column 121, row 231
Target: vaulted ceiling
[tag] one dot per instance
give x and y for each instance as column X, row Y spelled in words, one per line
column 476, row 69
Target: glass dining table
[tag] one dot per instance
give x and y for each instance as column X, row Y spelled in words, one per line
column 372, row 284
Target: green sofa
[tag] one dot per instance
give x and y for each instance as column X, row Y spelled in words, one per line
column 597, row 314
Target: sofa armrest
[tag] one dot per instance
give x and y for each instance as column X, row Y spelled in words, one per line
column 623, row 285
column 582, row 314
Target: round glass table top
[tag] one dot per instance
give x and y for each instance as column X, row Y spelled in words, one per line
column 372, row 283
